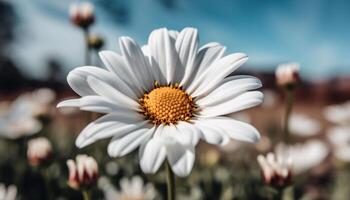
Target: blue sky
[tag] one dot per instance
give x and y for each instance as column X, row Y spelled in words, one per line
column 315, row 33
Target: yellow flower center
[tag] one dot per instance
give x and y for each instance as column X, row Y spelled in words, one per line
column 167, row 105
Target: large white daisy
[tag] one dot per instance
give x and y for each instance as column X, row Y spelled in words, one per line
column 164, row 98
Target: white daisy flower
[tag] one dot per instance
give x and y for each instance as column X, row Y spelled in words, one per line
column 8, row 193
column 276, row 169
column 287, row 74
column 340, row 140
column 39, row 151
column 302, row 125
column 132, row 188
column 164, row 97
column 338, row 114
column 305, row 156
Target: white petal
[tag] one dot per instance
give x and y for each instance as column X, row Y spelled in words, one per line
column 103, row 89
column 215, row 73
column 181, row 159
column 206, row 56
column 69, row 103
column 135, row 59
column 152, row 154
column 164, row 53
column 212, row 134
column 116, row 64
column 110, row 125
column 241, row 102
column 235, row 129
column 187, row 47
column 97, row 104
column 187, row 134
column 229, row 89
column 120, row 146
column 77, row 80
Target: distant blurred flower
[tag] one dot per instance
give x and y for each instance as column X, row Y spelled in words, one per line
column 209, row 156
column 16, row 120
column 338, row 114
column 305, row 156
column 164, row 98
column 82, row 14
column 276, row 169
column 303, row 125
column 270, row 98
column 83, row 172
column 8, row 193
column 37, row 103
column 287, row 74
column 111, row 168
column 39, row 151
column 340, row 140
column 95, row 42
column 130, row 189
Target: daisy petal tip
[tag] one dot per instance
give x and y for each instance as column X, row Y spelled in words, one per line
column 68, row 103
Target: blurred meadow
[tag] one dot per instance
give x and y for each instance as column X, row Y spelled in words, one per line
column 305, row 111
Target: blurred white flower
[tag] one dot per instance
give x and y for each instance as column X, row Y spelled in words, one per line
column 338, row 114
column 340, row 140
column 287, row 74
column 133, row 188
column 8, row 193
column 34, row 104
column 270, row 98
column 305, row 156
column 20, row 118
column 83, row 172
column 276, row 169
column 164, row 98
column 82, row 14
column 39, row 151
column 303, row 125
column 111, row 168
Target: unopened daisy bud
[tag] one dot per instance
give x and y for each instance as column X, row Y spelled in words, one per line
column 82, row 14
column 39, row 151
column 83, row 172
column 95, row 42
column 276, row 171
column 287, row 75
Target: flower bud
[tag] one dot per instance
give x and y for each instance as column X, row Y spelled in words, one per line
column 287, row 75
column 276, row 171
column 83, row 172
column 82, row 14
column 95, row 42
column 39, row 151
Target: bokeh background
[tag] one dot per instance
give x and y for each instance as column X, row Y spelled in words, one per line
column 39, row 46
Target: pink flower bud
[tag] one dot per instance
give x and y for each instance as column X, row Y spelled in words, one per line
column 287, row 74
column 82, row 14
column 83, row 172
column 276, row 170
column 39, row 151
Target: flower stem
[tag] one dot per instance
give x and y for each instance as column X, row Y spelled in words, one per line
column 86, row 194
column 170, row 182
column 289, row 107
column 87, row 47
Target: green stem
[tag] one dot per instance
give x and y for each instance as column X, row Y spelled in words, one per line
column 289, row 107
column 170, row 182
column 87, row 47
column 86, row 194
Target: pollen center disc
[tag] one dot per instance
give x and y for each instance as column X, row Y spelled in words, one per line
column 167, row 105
